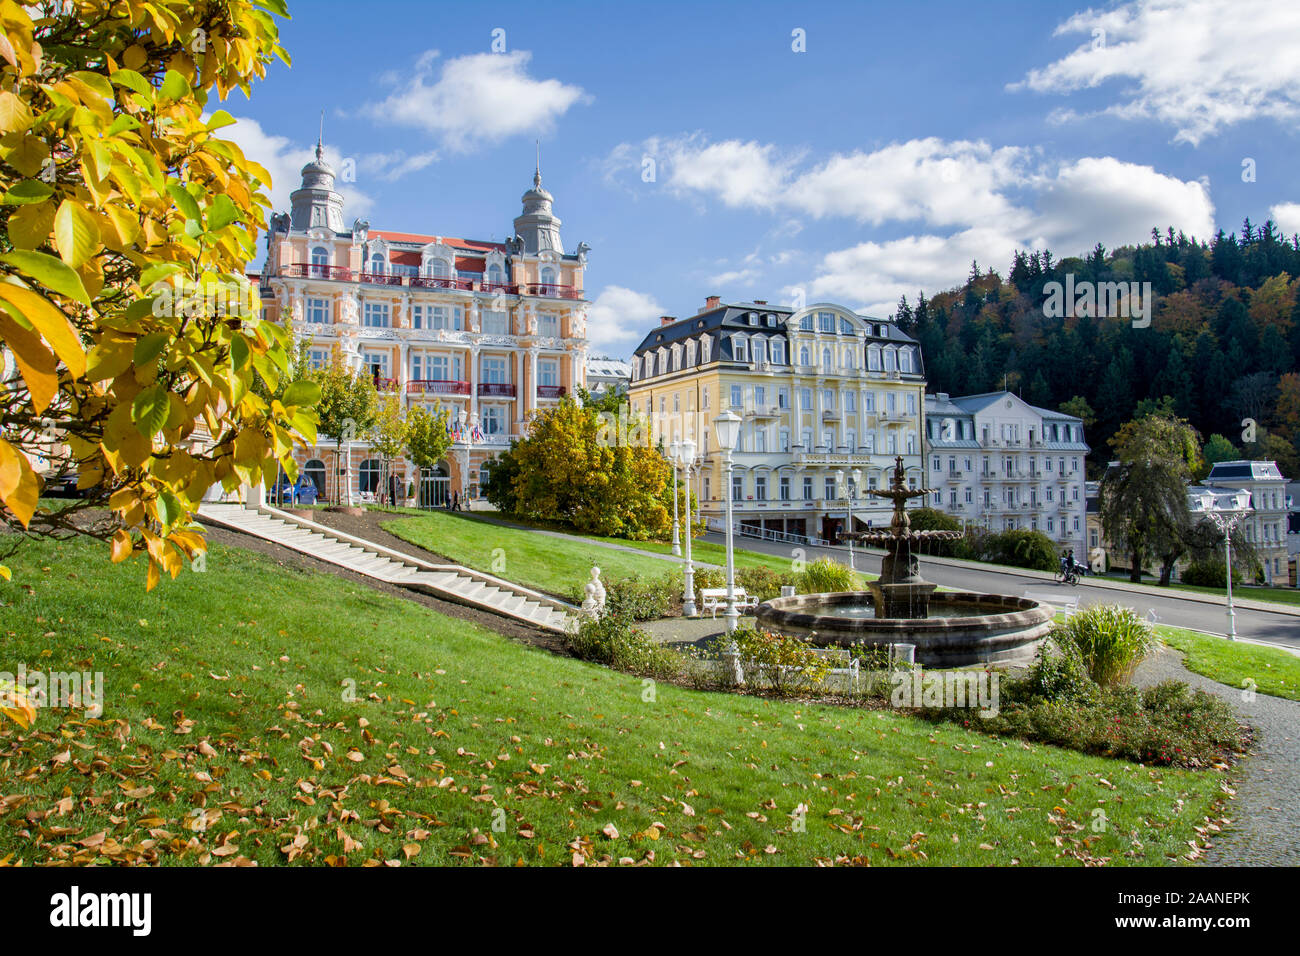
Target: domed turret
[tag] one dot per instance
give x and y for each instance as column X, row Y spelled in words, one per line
column 316, row 204
column 537, row 225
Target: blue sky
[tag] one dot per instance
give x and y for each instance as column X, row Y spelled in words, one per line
column 904, row 141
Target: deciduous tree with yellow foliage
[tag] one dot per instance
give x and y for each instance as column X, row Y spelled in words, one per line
column 127, row 223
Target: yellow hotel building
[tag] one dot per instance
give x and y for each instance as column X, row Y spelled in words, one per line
column 821, row 391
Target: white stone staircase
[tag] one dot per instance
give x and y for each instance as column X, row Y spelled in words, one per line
column 451, row 582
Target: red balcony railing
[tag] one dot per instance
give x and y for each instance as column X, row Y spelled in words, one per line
column 306, row 270
column 551, row 290
column 385, row 384
column 434, row 386
column 550, row 391
column 380, row 278
column 441, row 282
column 496, row 388
column 505, row 287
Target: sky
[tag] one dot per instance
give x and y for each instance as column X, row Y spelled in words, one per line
column 838, row 152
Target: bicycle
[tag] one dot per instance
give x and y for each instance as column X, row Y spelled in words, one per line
column 1070, row 577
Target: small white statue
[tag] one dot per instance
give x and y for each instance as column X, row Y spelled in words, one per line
column 593, row 605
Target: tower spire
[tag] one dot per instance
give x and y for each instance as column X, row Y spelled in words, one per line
column 537, row 176
column 320, row 137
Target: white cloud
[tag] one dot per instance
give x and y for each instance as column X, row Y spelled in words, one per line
column 477, row 98
column 1079, row 204
column 1287, row 217
column 284, row 161
column 618, row 319
column 958, row 183
column 1102, row 199
column 1196, row 65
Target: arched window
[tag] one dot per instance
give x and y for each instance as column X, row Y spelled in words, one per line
column 827, row 363
column 438, row 268
column 368, row 477
column 377, row 263
column 320, row 259
column 547, row 275
column 803, row 356
column 315, row 470
column 495, row 274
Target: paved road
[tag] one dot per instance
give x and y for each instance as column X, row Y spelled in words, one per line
column 1261, row 626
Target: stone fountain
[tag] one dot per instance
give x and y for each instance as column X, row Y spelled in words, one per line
column 948, row 629
column 900, row 591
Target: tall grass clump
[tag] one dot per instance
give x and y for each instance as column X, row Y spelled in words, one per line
column 826, row 575
column 1112, row 641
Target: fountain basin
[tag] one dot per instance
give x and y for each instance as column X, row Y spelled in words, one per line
column 963, row 627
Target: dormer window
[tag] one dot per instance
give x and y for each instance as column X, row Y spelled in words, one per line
column 778, row 352
column 905, row 360
column 825, row 322
column 377, row 263
column 740, row 348
column 873, row 358
column 806, row 324
column 846, row 327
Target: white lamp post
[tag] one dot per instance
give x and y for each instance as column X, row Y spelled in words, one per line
column 674, row 452
column 1226, row 520
column 727, row 428
column 849, row 485
column 686, row 456
column 462, row 418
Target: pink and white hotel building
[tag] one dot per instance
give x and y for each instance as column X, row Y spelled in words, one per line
column 493, row 330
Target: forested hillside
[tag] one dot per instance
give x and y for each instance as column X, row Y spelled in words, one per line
column 1223, row 344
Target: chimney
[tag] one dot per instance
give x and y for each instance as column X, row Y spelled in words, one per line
column 941, row 396
column 760, row 301
column 667, row 319
column 711, row 303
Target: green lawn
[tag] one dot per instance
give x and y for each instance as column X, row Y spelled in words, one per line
column 1240, row 592
column 1277, row 595
column 556, row 565
column 258, row 713
column 1274, row 672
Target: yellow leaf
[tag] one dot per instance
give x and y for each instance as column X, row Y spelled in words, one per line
column 50, row 321
column 37, row 364
column 16, row 705
column 30, row 226
column 14, row 113
column 76, row 233
column 19, row 487
column 6, row 573
column 121, row 546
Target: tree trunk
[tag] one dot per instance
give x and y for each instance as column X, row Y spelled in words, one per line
column 1135, row 568
column 1167, row 570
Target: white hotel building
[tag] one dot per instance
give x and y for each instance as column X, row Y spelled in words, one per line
column 997, row 461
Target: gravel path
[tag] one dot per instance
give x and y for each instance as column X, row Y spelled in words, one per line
column 1266, row 810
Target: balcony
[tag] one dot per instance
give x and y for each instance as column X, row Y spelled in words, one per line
column 305, row 270
column 830, row 415
column 441, row 282
column 769, row 412
column 380, row 278
column 503, row 287
column 550, row 290
column 500, row 389
column 550, row 391
column 385, row 384
column 436, row 386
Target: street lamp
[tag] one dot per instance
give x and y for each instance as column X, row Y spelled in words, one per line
column 850, row 490
column 727, row 429
column 686, row 457
column 463, row 419
column 1226, row 520
column 674, row 451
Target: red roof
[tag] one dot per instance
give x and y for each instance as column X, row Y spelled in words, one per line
column 476, row 244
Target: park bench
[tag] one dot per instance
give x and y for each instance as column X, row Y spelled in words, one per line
column 715, row 599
